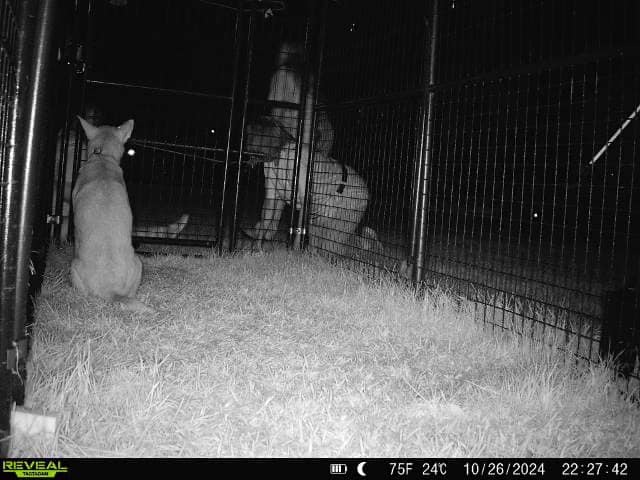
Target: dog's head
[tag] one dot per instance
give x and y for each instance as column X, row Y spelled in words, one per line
column 106, row 140
column 265, row 138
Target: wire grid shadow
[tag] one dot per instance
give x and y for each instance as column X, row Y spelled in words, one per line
column 531, row 207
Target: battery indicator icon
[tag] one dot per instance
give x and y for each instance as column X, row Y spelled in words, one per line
column 338, row 468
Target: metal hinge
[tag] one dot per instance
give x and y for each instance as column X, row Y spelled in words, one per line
column 15, row 353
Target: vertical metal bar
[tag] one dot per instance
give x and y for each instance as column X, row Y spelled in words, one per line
column 245, row 102
column 418, row 238
column 36, row 141
column 303, row 130
column 11, row 322
column 82, row 58
column 61, row 165
column 303, row 219
column 234, row 88
column 73, row 55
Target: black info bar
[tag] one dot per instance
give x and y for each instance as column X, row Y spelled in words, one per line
column 327, row 468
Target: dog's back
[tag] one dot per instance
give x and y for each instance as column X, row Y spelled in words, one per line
column 104, row 263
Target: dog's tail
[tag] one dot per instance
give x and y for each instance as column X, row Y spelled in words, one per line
column 161, row 231
column 133, row 305
column 173, row 229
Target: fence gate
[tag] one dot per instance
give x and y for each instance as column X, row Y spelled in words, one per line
column 179, row 84
column 191, row 88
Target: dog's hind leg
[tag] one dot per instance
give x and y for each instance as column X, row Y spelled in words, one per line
column 171, row 230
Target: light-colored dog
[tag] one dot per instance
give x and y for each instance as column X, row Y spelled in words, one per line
column 149, row 229
column 104, row 262
column 339, row 196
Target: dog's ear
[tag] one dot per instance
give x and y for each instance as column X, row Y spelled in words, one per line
column 125, row 130
column 89, row 130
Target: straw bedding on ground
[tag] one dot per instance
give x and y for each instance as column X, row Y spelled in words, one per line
column 284, row 355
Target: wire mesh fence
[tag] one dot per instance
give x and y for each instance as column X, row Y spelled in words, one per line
column 524, row 218
column 179, row 90
column 531, row 199
column 372, row 75
column 178, row 159
column 277, row 89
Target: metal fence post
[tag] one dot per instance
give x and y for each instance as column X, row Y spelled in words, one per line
column 304, row 133
column 248, row 36
column 12, row 179
column 422, row 178
column 27, row 144
column 316, row 69
column 36, row 141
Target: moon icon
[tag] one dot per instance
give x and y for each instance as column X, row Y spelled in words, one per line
column 360, row 469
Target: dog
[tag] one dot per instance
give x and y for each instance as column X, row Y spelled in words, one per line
column 339, row 196
column 272, row 136
column 77, row 145
column 104, row 263
column 150, row 230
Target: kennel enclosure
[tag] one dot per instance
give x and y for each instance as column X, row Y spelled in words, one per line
column 495, row 141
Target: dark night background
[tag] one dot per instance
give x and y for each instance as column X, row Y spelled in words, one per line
column 525, row 93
